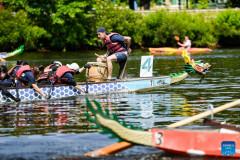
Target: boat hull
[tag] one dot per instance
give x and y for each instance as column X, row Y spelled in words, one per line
column 62, row 91
column 193, row 143
column 166, row 50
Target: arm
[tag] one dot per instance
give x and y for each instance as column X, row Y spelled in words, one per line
column 81, row 69
column 180, row 44
column 128, row 41
column 29, row 76
column 38, row 90
column 79, row 88
column 72, row 82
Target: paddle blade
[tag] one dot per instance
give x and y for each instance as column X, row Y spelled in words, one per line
column 186, row 56
column 177, row 38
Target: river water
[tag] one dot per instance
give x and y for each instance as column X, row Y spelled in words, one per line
column 58, row 129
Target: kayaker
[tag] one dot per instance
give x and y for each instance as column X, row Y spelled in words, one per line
column 26, row 75
column 65, row 74
column 117, row 51
column 186, row 44
column 6, row 81
column 48, row 71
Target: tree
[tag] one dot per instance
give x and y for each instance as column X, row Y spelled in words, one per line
column 233, row 3
column 66, row 21
column 16, row 30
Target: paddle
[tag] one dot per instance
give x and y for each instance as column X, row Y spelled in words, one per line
column 177, row 38
column 48, row 96
column 16, row 81
column 8, row 94
column 87, row 80
column 124, row 145
column 204, row 114
column 97, row 55
column 123, row 71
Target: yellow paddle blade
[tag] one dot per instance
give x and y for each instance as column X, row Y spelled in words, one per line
column 177, row 38
column 186, row 56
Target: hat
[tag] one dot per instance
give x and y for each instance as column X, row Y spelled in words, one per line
column 57, row 62
column 73, row 66
column 101, row 29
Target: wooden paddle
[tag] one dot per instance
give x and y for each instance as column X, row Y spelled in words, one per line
column 117, row 147
column 204, row 114
column 123, row 71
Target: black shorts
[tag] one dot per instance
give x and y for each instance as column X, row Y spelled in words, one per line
column 121, row 56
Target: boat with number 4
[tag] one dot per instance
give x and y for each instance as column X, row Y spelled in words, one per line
column 125, row 85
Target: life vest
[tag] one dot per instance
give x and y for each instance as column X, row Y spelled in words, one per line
column 45, row 74
column 21, row 70
column 59, row 73
column 113, row 47
column 12, row 69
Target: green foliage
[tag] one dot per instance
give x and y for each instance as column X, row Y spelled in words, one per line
column 203, row 4
column 17, row 29
column 67, row 22
column 123, row 21
column 162, row 26
column 227, row 26
column 227, row 23
column 233, row 3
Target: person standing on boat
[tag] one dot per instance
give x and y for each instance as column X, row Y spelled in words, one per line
column 186, row 44
column 6, row 81
column 65, row 74
column 117, row 50
column 48, row 71
column 26, row 75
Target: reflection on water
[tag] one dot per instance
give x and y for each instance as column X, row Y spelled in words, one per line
column 38, row 129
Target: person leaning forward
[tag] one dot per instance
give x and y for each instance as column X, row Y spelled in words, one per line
column 65, row 74
column 26, row 75
column 117, row 50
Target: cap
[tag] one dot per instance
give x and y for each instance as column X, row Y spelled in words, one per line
column 57, row 62
column 101, row 29
column 73, row 66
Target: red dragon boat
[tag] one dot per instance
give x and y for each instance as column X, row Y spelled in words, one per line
column 185, row 141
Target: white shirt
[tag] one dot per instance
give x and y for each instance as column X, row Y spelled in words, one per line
column 187, row 44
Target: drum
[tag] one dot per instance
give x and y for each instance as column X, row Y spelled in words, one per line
column 97, row 72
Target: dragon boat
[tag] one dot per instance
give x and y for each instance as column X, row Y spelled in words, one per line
column 125, row 85
column 166, row 50
column 17, row 51
column 184, row 141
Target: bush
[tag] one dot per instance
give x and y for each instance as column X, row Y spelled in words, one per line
column 163, row 26
column 64, row 23
column 16, row 30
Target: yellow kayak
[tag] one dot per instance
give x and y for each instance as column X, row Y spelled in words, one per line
column 168, row 50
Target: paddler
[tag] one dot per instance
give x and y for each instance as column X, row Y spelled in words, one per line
column 186, row 44
column 48, row 71
column 26, row 75
column 65, row 74
column 117, row 51
column 6, row 81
